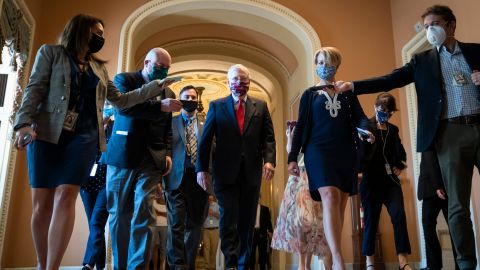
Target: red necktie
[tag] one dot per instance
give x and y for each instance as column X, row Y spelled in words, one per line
column 240, row 114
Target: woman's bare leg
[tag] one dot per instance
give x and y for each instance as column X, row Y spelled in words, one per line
column 42, row 204
column 333, row 211
column 61, row 226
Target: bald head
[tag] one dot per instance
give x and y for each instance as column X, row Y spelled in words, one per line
column 156, row 58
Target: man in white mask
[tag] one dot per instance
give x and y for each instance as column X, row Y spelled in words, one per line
column 447, row 81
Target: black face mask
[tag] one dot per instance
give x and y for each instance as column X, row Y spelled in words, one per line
column 95, row 43
column 189, row 105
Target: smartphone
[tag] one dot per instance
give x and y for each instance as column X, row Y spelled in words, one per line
column 363, row 133
column 27, row 138
column 174, row 79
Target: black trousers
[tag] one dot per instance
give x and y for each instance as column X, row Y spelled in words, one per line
column 260, row 241
column 373, row 195
column 238, row 208
column 186, row 211
column 431, row 208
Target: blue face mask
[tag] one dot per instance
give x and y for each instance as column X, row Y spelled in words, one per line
column 382, row 117
column 326, row 73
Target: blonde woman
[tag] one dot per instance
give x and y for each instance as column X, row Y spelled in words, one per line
column 326, row 133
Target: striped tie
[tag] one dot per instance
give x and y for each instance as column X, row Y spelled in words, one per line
column 191, row 141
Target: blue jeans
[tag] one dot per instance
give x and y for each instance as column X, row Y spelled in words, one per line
column 130, row 194
column 95, row 204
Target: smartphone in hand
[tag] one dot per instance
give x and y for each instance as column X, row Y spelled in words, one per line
column 174, row 79
column 363, row 133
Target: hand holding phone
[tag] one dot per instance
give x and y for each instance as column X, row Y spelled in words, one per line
column 174, row 79
column 363, row 133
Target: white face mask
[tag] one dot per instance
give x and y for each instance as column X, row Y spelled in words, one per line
column 436, row 35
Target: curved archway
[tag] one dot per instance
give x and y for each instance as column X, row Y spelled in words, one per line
column 281, row 81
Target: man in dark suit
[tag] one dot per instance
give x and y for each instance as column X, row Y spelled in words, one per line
column 138, row 155
column 245, row 146
column 186, row 201
column 447, row 81
column 261, row 235
column 431, row 192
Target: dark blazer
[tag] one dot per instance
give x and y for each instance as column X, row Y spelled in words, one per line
column 265, row 221
column 255, row 146
column 174, row 178
column 424, row 70
column 366, row 149
column 430, row 178
column 140, row 130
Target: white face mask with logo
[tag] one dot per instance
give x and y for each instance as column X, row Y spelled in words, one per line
column 436, row 35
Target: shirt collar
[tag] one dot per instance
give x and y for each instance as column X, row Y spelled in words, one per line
column 235, row 99
column 443, row 49
column 186, row 118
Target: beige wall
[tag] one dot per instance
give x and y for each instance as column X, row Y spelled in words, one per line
column 362, row 30
column 336, row 22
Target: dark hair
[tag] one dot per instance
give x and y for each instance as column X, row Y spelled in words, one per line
column 77, row 33
column 386, row 101
column 186, row 88
column 444, row 11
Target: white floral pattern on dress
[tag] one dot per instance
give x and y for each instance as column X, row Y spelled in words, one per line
column 299, row 226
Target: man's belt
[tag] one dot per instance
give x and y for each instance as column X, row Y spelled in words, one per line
column 472, row 119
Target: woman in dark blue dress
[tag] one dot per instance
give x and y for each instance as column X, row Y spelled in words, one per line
column 326, row 133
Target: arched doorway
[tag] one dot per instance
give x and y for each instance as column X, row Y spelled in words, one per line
column 206, row 37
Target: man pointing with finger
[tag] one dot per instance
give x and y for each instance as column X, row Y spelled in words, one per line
column 244, row 149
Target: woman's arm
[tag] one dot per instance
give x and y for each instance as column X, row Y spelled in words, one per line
column 300, row 127
column 37, row 87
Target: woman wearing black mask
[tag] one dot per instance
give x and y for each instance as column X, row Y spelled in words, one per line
column 60, row 120
column 381, row 164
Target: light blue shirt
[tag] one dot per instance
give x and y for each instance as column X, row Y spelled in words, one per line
column 211, row 221
column 460, row 99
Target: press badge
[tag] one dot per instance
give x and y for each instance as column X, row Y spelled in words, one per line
column 94, row 170
column 70, row 120
column 388, row 169
column 459, row 79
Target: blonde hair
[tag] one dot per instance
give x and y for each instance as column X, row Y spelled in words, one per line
column 332, row 56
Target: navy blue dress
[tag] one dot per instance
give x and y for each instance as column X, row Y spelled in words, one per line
column 329, row 140
column 71, row 160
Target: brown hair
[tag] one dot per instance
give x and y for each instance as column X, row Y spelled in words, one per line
column 186, row 88
column 332, row 56
column 77, row 33
column 445, row 12
column 386, row 101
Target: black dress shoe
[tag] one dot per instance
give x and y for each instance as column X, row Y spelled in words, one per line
column 426, row 268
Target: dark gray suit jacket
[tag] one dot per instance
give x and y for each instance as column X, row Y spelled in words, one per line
column 253, row 148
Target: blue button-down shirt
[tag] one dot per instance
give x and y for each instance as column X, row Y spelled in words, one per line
column 460, row 99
